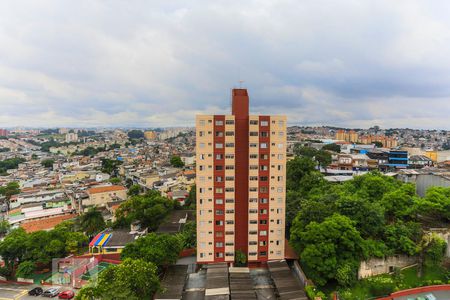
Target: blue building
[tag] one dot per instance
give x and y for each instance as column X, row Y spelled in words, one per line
column 398, row 159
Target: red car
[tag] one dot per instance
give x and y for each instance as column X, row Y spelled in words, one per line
column 66, row 295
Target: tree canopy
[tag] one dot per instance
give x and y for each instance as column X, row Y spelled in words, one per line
column 133, row 279
column 176, row 161
column 376, row 216
column 149, row 210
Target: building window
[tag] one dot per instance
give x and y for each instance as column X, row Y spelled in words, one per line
column 264, row 167
column 219, row 133
column 253, row 122
column 229, row 122
column 219, row 191
column 263, row 233
column 280, row 123
column 263, row 178
column 253, row 211
column 201, row 122
column 263, row 145
column 229, row 133
column 229, row 156
column 219, row 201
column 263, row 200
column 219, row 168
column 229, row 178
column 219, row 244
column 253, row 200
column 264, row 156
column 253, row 145
column 219, row 223
column 263, row 253
column 280, row 146
column 252, row 243
column 253, row 221
column 229, row 189
column 263, row 222
column 253, row 178
column 229, row 145
column 264, row 134
column 219, row 145
column 201, row 145
column 229, row 167
column 219, row 179
column 219, row 156
column 264, row 123
column 253, row 156
column 253, row 167
column 263, row 211
column 219, row 123
column 219, row 254
column 253, row 133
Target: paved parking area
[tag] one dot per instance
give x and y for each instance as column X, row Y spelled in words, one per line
column 13, row 292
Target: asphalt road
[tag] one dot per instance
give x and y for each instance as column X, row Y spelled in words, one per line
column 18, row 292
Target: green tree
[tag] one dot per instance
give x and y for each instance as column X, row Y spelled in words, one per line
column 160, row 249
column 332, row 147
column 191, row 198
column 34, row 156
column 240, row 258
column 134, row 190
column 47, row 163
column 176, row 161
column 189, row 235
column 12, row 188
column 136, row 134
column 25, row 269
column 110, row 166
column 13, row 247
column 92, row 222
column 328, row 246
column 132, row 279
column 4, row 227
column 149, row 210
column 115, row 180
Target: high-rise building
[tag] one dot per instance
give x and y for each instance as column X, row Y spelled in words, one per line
column 241, row 184
column 3, row 132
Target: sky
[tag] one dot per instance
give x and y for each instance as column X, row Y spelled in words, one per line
column 347, row 63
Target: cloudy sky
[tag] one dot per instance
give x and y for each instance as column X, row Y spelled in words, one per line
column 352, row 63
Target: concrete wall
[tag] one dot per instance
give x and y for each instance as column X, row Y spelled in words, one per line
column 377, row 266
column 424, row 181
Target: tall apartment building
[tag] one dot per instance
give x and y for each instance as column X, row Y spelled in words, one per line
column 241, row 184
column 3, row 132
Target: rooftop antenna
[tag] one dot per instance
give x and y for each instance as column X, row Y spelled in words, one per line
column 240, row 83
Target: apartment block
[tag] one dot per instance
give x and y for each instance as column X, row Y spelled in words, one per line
column 241, row 184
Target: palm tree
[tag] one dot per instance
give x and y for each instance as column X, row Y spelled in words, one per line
column 92, row 222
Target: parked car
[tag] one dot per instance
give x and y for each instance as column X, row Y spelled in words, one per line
column 66, row 295
column 51, row 292
column 35, row 292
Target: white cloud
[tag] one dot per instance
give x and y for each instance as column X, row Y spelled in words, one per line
column 158, row 63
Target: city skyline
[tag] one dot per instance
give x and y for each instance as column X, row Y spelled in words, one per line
column 347, row 64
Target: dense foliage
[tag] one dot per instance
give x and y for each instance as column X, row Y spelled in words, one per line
column 11, row 163
column 132, row 279
column 40, row 247
column 159, row 249
column 135, row 134
column 334, row 226
column 149, row 210
column 176, row 161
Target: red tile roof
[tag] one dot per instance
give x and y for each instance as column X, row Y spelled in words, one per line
column 105, row 189
column 46, row 223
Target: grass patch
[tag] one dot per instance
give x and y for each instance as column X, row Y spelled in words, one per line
column 385, row 284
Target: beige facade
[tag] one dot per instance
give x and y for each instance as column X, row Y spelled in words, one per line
column 208, row 249
column 99, row 196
